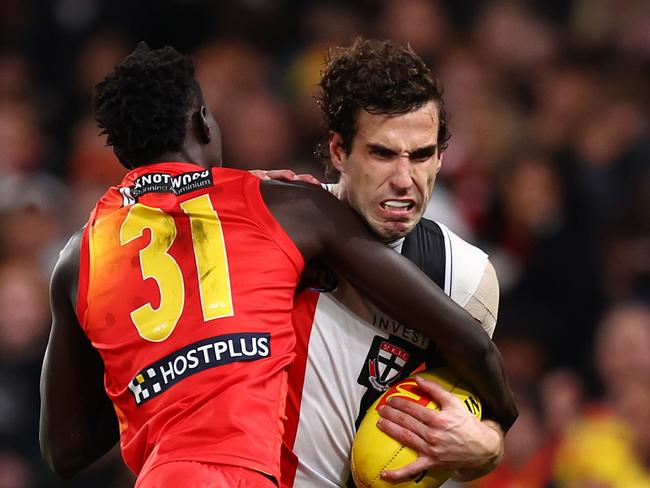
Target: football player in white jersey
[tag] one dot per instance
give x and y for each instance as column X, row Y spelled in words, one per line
column 386, row 136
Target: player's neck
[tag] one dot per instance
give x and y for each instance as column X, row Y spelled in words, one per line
column 184, row 156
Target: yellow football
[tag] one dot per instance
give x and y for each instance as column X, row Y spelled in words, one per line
column 373, row 451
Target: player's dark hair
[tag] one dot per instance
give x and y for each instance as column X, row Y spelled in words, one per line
column 381, row 77
column 143, row 104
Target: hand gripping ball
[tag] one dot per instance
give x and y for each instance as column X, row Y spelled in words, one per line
column 373, row 451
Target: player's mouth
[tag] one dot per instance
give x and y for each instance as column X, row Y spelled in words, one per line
column 397, row 207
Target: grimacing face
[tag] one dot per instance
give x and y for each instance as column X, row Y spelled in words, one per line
column 389, row 174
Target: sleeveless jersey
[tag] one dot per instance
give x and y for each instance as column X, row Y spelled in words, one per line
column 349, row 353
column 186, row 290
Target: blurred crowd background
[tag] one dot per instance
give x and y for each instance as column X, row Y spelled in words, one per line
column 548, row 170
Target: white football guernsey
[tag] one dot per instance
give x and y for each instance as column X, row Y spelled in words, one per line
column 348, row 352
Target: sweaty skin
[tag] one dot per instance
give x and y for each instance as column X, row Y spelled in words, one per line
column 390, row 172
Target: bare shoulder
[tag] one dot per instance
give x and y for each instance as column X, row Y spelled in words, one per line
column 67, row 267
column 314, row 197
column 310, row 215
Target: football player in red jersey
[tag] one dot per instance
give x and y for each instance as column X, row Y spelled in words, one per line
column 172, row 307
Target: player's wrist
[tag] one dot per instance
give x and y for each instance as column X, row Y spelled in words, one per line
column 492, row 441
column 496, row 441
column 491, row 447
column 493, row 454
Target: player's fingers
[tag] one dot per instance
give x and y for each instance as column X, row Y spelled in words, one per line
column 410, row 471
column 402, row 418
column 307, row 178
column 260, row 173
column 438, row 394
column 421, row 414
column 281, row 174
column 403, row 434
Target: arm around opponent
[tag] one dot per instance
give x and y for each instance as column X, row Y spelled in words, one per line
column 395, row 284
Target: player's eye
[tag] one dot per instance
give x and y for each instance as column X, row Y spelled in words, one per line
column 422, row 154
column 382, row 153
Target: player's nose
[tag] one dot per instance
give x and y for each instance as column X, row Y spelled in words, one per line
column 401, row 177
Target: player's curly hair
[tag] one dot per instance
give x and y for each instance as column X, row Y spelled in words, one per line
column 381, row 77
column 143, row 104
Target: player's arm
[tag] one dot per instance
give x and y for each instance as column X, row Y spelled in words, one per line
column 322, row 226
column 78, row 423
column 284, row 175
column 483, row 305
column 451, row 438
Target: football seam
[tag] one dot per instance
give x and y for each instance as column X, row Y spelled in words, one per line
column 454, row 385
column 378, row 475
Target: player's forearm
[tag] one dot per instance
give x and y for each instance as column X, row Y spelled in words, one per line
column 68, row 449
column 482, row 368
column 488, row 377
column 77, row 426
column 479, row 363
column 470, row 352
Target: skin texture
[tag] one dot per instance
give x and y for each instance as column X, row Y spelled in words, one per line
column 394, row 158
column 77, row 423
column 283, row 174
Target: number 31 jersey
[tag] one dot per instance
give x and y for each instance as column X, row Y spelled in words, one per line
column 186, row 289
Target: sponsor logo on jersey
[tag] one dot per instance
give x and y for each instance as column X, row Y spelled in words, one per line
column 166, row 183
column 408, row 390
column 395, row 328
column 384, row 364
column 154, row 379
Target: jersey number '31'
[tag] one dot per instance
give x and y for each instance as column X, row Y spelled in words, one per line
column 156, row 324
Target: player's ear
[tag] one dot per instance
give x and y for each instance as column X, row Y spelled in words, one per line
column 202, row 126
column 439, row 155
column 337, row 153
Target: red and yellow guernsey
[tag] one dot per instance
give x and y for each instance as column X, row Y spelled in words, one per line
column 186, row 290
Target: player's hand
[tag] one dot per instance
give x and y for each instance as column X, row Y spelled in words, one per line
column 283, row 174
column 449, row 438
